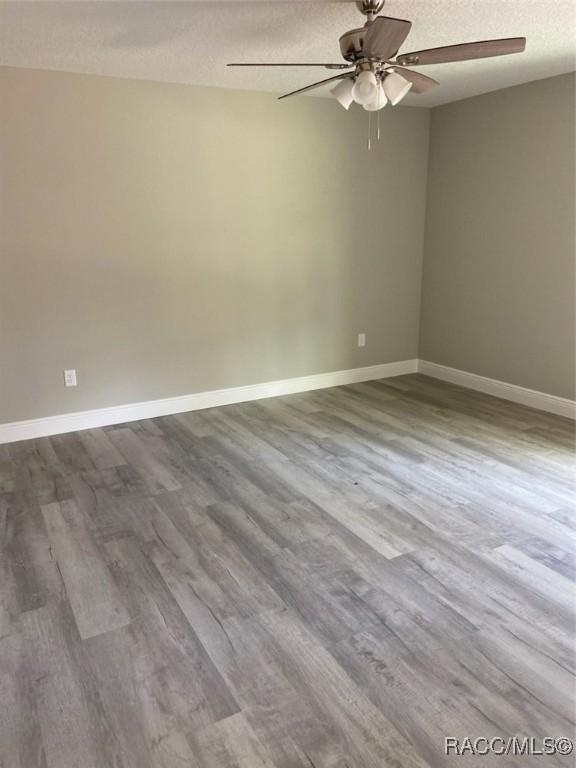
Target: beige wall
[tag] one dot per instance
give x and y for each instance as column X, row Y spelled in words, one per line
column 165, row 239
column 498, row 289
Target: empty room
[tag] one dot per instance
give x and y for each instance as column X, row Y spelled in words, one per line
column 287, row 384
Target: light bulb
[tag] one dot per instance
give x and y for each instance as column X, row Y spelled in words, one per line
column 396, row 87
column 343, row 92
column 379, row 102
column 365, row 88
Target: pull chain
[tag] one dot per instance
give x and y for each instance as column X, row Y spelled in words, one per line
column 369, row 131
column 378, row 125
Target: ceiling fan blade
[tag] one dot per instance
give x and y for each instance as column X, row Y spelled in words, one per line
column 274, row 64
column 464, row 52
column 384, row 37
column 420, row 83
column 316, row 85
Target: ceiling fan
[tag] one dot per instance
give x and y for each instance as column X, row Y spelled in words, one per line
column 372, row 77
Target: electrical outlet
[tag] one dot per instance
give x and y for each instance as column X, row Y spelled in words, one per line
column 361, row 339
column 70, row 379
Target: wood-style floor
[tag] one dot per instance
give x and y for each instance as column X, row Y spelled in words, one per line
column 337, row 579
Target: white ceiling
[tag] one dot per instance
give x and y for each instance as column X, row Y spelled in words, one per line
column 190, row 42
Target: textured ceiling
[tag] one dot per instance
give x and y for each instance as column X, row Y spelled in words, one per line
column 190, row 42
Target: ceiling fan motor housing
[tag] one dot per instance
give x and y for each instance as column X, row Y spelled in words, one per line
column 352, row 43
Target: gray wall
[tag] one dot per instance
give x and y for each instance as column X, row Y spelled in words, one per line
column 498, row 287
column 166, row 239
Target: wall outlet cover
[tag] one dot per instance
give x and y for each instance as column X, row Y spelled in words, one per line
column 70, row 379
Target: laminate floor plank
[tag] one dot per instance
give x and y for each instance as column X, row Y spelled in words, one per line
column 296, row 731
column 101, row 450
column 71, row 452
column 334, row 579
column 232, row 743
column 288, row 576
column 21, row 743
column 92, row 593
column 7, row 470
column 365, row 734
column 560, row 559
column 28, row 553
column 76, row 730
column 148, row 736
column 39, row 471
column 157, row 475
column 178, row 668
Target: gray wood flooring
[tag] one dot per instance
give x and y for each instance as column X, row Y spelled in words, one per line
column 337, row 579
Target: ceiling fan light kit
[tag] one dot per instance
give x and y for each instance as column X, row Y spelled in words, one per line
column 376, row 74
column 365, row 87
column 379, row 102
column 343, row 92
column 395, row 87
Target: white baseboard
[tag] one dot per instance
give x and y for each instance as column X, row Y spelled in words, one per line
column 103, row 417
column 561, row 406
column 120, row 414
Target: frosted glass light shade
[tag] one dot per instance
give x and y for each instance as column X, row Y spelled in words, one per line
column 396, row 87
column 365, row 88
column 343, row 92
column 379, row 102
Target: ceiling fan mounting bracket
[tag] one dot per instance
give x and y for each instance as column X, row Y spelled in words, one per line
column 370, row 8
